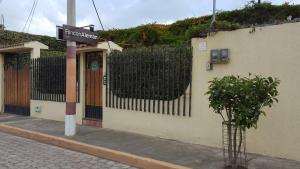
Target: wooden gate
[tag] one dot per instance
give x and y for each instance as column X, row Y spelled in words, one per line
column 93, row 85
column 17, row 84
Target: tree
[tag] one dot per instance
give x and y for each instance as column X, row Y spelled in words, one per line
column 241, row 100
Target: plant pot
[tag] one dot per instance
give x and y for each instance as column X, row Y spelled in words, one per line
column 234, row 146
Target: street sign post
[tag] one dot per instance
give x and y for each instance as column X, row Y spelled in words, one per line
column 77, row 34
column 71, row 91
column 81, row 35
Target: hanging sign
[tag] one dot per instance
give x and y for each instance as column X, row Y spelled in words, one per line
column 95, row 65
column 81, row 35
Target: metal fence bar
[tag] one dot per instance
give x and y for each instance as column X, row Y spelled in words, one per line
column 39, row 80
column 158, row 85
column 62, row 83
column 153, row 85
column 148, row 77
column 106, row 82
column 42, row 78
column 131, row 80
column 144, row 67
column 36, row 80
column 140, row 81
column 112, row 66
column 127, row 68
column 32, row 80
column 108, row 65
column 173, row 87
column 153, row 80
column 59, row 82
column 45, row 79
column 125, row 78
column 136, row 84
column 55, row 80
column 168, row 88
column 117, row 80
column 48, row 96
column 34, row 68
column 122, row 83
column 183, row 84
column 163, row 81
column 178, row 83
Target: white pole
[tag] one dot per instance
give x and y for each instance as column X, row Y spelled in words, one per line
column 214, row 15
column 214, row 12
column 71, row 89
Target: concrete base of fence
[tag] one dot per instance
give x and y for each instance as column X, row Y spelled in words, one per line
column 125, row 158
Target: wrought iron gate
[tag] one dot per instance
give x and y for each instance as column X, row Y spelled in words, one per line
column 17, row 84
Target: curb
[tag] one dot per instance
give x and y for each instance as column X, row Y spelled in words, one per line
column 125, row 158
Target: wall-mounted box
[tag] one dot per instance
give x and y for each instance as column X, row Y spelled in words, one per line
column 214, row 56
column 219, row 56
column 224, row 55
column 38, row 109
column 209, row 66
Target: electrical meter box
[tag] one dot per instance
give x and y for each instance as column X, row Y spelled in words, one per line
column 219, row 56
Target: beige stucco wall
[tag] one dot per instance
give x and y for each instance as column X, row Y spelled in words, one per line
column 269, row 51
column 1, row 83
column 53, row 110
column 35, row 48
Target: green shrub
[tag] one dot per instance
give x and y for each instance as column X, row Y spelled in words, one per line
column 12, row 37
column 150, row 73
column 240, row 102
column 242, row 99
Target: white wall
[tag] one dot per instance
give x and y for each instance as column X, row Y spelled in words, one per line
column 269, row 51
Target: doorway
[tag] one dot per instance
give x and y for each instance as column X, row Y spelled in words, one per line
column 17, row 84
column 93, row 85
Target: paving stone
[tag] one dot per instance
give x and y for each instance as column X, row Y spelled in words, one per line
column 21, row 153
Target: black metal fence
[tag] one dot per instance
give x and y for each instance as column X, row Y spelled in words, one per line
column 150, row 80
column 48, row 79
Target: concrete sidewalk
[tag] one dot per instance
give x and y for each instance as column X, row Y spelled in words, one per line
column 189, row 155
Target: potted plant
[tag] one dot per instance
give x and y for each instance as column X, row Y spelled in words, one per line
column 240, row 102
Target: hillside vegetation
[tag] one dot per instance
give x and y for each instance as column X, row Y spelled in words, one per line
column 12, row 37
column 182, row 31
column 178, row 33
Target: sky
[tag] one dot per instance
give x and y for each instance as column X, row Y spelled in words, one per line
column 114, row 13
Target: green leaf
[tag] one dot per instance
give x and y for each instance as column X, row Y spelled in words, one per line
column 242, row 98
